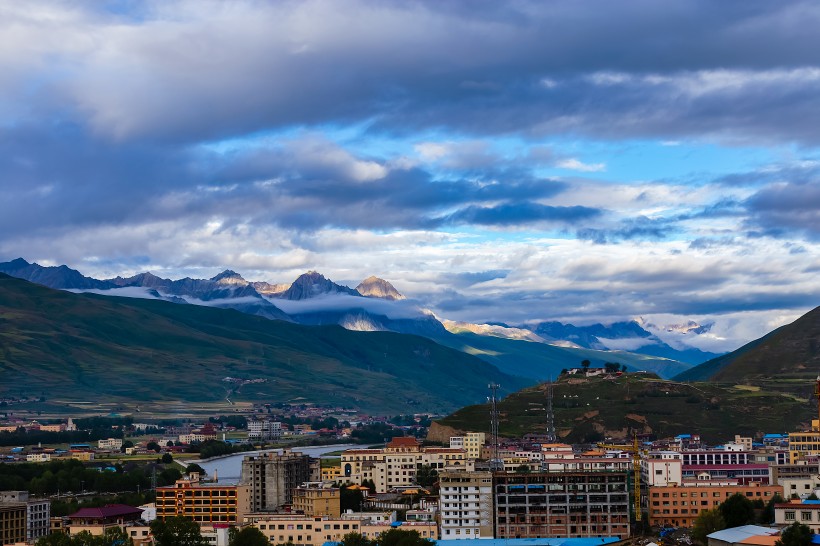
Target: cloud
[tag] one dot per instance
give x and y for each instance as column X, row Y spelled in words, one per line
column 576, row 165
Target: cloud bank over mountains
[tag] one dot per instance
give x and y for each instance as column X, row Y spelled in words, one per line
column 497, row 162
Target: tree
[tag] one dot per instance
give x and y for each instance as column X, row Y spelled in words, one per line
column 177, row 531
column 737, row 510
column 426, row 475
column 249, row 536
column 523, row 469
column 707, row 522
column 585, row 364
column 767, row 516
column 398, row 537
column 167, row 458
column 193, row 467
column 623, row 368
column 350, row 499
column 795, row 534
column 355, row 539
column 153, row 445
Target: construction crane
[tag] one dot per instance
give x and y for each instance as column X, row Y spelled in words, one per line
column 635, row 450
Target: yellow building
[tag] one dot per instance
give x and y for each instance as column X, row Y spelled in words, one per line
column 331, row 473
column 317, row 499
column 802, row 444
column 204, row 502
column 679, row 505
column 302, row 530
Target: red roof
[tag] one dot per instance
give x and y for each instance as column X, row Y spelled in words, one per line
column 403, row 441
column 107, row 511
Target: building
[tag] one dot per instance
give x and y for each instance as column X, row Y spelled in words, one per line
column 805, row 512
column 317, row 499
column 264, row 429
column 803, row 444
column 98, row 520
column 396, row 464
column 302, row 530
column 662, row 468
column 38, row 512
column 745, row 535
column 472, row 443
column 577, row 504
column 272, row 478
column 110, row 443
column 466, row 504
column 679, row 505
column 204, row 502
column 12, row 522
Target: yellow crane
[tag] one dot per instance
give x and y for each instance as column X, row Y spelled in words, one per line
column 635, row 450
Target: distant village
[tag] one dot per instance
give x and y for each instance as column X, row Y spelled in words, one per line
column 477, row 486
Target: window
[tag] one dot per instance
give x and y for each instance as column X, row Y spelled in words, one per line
column 805, row 516
column 789, row 516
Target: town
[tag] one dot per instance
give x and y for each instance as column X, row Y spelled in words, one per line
column 475, row 486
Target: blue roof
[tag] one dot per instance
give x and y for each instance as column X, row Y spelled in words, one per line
column 683, row 436
column 775, row 436
column 529, row 541
column 811, row 501
column 739, row 534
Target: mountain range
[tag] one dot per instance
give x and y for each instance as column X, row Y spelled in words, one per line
column 537, row 351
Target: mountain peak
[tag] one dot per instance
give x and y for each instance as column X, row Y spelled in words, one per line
column 229, row 277
column 374, row 287
column 312, row 284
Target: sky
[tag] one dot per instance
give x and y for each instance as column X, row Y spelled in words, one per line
column 496, row 161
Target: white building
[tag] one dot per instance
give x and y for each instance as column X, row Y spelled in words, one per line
column 662, row 468
column 263, row 429
column 466, row 505
column 110, row 443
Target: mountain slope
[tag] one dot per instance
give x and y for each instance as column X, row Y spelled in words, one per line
column 76, row 346
column 787, row 353
column 53, row 277
column 589, row 410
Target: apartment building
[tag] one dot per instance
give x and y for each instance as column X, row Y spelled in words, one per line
column 466, row 505
column 204, row 502
column 110, row 443
column 264, row 429
column 577, row 504
column 12, row 523
column 38, row 512
column 272, row 478
column 302, row 530
column 396, row 464
column 472, row 442
column 679, row 505
column 317, row 499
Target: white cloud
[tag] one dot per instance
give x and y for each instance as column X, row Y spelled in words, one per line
column 574, row 164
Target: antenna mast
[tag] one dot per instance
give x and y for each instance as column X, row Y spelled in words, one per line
column 495, row 463
column 550, row 414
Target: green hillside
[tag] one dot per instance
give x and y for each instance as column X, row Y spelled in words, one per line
column 588, row 410
column 85, row 347
column 788, row 355
column 542, row 362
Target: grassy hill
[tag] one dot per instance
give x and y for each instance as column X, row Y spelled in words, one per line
column 788, row 355
column 588, row 410
column 541, row 362
column 85, row 347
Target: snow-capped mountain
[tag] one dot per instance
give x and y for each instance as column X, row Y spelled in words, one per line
column 621, row 336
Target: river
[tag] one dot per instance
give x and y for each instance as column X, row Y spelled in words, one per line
column 229, row 468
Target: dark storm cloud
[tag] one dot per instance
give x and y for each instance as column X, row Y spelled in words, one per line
column 745, row 70
column 785, row 209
